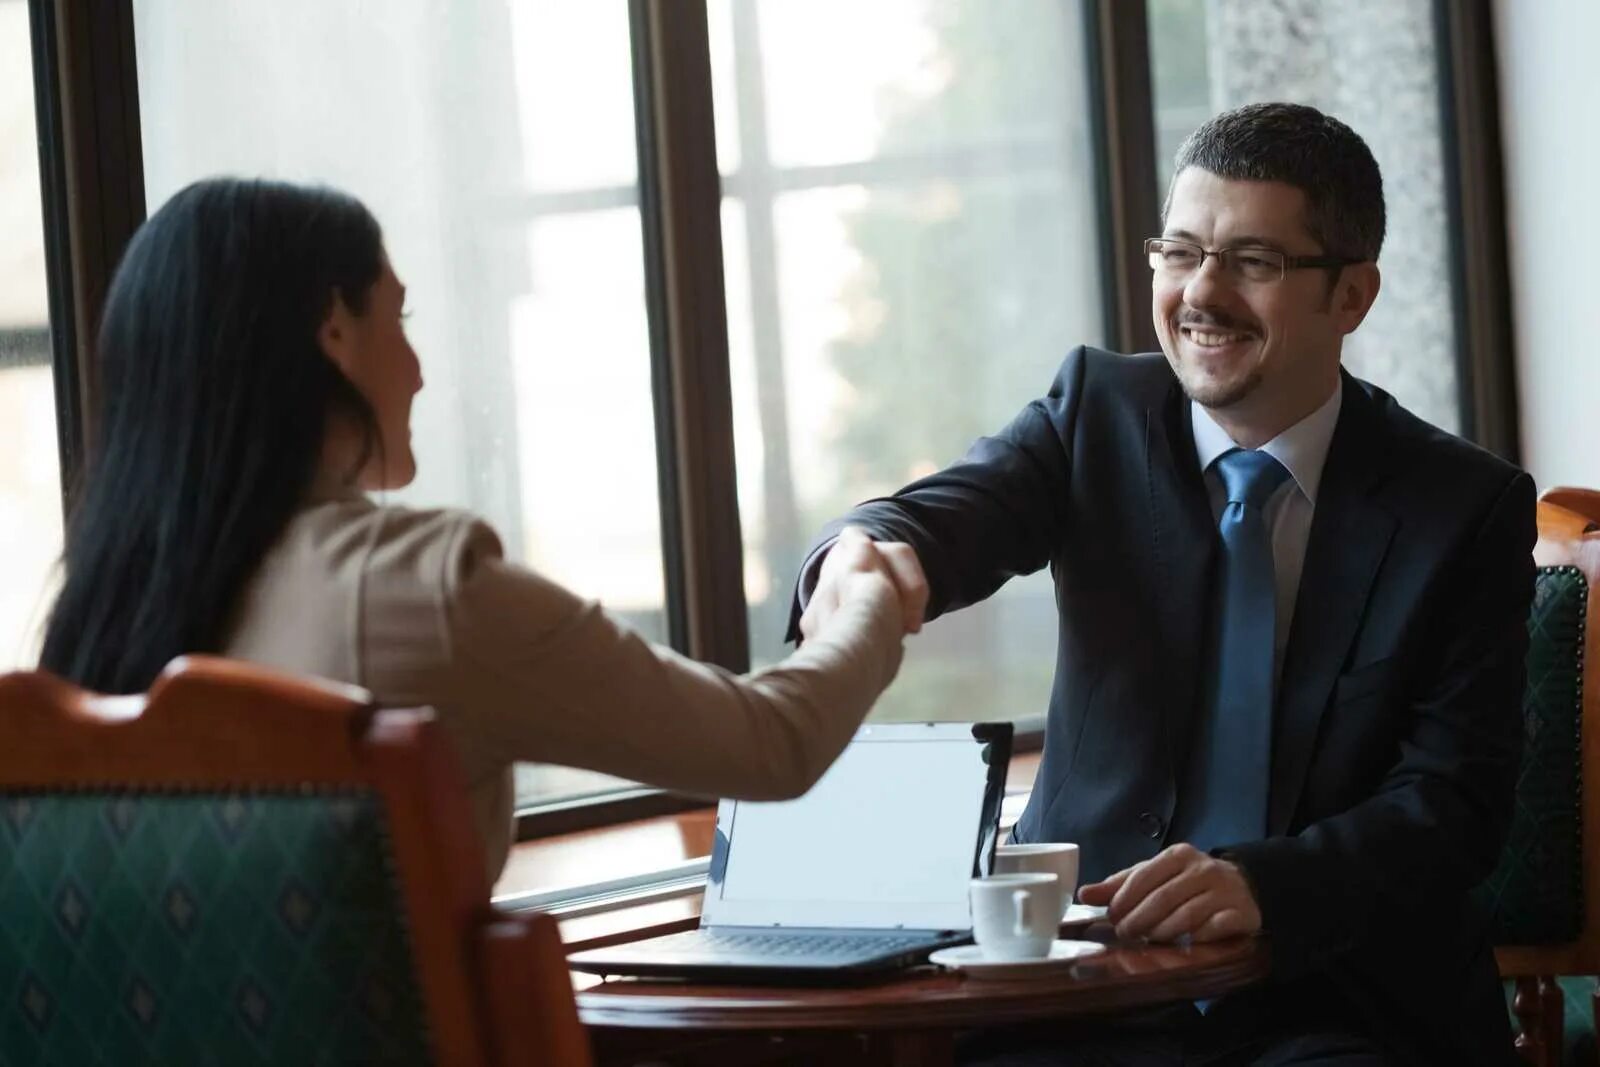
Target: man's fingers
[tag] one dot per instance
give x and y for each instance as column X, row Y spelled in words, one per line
column 1186, row 918
column 1099, row 894
column 845, row 553
column 1146, row 877
column 1161, row 902
column 853, row 551
column 906, row 571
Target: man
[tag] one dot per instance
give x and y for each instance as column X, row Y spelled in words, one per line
column 1292, row 622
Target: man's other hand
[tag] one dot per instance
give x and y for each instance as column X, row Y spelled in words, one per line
column 1179, row 891
column 855, row 553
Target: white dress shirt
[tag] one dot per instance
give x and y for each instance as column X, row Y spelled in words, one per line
column 1302, row 449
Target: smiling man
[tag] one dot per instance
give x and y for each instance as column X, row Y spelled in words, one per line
column 1292, row 626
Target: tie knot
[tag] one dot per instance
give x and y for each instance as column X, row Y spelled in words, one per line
column 1250, row 476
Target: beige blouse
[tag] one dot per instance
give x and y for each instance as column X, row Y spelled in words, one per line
column 420, row 608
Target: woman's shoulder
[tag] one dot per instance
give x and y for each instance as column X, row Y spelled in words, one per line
column 430, row 545
column 347, row 570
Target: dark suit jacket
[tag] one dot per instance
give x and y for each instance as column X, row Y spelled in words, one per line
column 1397, row 725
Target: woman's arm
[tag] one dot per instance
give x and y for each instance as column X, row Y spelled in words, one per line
column 541, row 674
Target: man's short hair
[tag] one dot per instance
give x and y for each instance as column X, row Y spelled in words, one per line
column 1302, row 147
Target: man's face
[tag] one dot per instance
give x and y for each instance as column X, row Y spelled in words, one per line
column 1260, row 351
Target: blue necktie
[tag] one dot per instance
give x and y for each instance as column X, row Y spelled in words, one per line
column 1226, row 793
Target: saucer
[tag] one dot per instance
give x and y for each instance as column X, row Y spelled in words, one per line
column 969, row 959
column 1082, row 915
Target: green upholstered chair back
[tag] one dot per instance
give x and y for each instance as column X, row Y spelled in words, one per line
column 243, row 867
column 203, row 927
column 1546, row 912
column 1535, row 895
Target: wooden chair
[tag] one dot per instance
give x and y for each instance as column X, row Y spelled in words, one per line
column 242, row 867
column 1546, row 893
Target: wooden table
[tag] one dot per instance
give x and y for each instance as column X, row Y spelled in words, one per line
column 911, row 1019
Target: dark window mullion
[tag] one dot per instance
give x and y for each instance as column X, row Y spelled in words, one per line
column 680, row 207
column 57, row 242
column 1123, row 111
column 656, row 315
column 1475, row 197
column 91, row 174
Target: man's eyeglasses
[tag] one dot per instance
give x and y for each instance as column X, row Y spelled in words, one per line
column 1180, row 259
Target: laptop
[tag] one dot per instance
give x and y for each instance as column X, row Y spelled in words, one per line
column 866, row 873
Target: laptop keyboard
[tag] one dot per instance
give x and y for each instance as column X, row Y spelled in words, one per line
column 779, row 945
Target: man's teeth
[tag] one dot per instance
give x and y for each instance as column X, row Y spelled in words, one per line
column 1212, row 339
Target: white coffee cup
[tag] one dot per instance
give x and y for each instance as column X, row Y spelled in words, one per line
column 1015, row 916
column 1049, row 857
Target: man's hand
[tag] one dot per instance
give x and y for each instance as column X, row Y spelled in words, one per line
column 1181, row 890
column 854, row 553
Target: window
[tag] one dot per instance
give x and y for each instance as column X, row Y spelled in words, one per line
column 30, row 477
column 910, row 245
column 1375, row 66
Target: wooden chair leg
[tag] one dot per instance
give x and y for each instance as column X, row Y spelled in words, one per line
column 1538, row 1008
column 1553, row 1008
column 1594, row 1009
column 1525, row 1006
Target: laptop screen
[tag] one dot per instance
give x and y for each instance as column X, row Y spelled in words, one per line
column 887, row 838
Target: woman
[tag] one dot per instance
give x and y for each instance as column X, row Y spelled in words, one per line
column 256, row 378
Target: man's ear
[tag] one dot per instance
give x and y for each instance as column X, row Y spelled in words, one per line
column 1354, row 296
column 335, row 334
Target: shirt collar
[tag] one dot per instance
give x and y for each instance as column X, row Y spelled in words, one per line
column 1302, row 448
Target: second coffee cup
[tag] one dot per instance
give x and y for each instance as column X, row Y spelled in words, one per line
column 1048, row 857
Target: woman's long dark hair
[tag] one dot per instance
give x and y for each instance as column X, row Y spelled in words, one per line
column 214, row 401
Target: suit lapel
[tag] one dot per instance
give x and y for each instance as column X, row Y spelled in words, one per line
column 1350, row 532
column 1185, row 539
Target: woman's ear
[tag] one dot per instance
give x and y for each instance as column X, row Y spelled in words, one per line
column 335, row 336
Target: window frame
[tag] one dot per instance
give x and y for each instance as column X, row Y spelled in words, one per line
column 1480, row 272
column 92, row 186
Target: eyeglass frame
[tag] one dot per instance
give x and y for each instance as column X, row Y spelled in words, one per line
column 1290, row 262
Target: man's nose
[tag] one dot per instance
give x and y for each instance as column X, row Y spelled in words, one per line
column 1207, row 285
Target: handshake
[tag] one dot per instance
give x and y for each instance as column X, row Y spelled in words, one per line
column 857, row 567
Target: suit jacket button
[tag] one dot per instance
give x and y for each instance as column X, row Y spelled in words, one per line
column 1150, row 825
